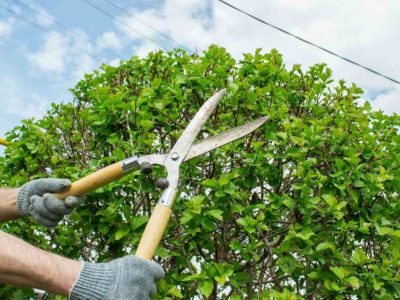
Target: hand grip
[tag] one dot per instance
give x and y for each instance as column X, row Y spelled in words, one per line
column 93, row 181
column 154, row 231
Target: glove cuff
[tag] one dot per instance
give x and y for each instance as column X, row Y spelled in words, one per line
column 93, row 282
column 23, row 201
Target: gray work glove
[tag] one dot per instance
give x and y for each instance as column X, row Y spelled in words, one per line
column 34, row 199
column 127, row 278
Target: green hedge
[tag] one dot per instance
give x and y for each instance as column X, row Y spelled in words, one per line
column 305, row 207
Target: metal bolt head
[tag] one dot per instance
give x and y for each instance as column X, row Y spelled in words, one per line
column 175, row 156
column 162, row 183
column 145, row 167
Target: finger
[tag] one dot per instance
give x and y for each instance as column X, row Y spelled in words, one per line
column 55, row 205
column 52, row 185
column 41, row 220
column 73, row 201
column 143, row 296
column 40, row 208
column 153, row 289
column 156, row 271
column 33, row 199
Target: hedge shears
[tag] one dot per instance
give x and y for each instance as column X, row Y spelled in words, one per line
column 183, row 150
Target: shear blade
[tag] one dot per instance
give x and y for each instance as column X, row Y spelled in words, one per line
column 188, row 136
column 223, row 138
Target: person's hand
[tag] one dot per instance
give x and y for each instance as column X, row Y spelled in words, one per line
column 34, row 199
column 127, row 278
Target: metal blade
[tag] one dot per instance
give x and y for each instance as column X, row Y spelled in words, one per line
column 182, row 146
column 223, row 138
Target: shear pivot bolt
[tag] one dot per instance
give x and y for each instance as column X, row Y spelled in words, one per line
column 162, row 183
column 175, row 156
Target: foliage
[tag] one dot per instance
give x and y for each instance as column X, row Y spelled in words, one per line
column 305, row 207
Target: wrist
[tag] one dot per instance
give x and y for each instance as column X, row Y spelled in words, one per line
column 69, row 277
column 56, row 273
column 8, row 205
column 65, row 273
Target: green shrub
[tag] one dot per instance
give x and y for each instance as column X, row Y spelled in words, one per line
column 305, row 207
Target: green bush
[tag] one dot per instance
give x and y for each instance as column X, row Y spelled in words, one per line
column 304, row 207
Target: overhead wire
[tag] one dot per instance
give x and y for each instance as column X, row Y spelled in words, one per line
column 310, row 43
column 69, row 30
column 147, row 25
column 125, row 24
column 49, row 32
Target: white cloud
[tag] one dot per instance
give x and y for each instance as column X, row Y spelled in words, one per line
column 364, row 30
column 13, row 102
column 82, row 57
column 41, row 15
column 114, row 62
column 388, row 101
column 67, row 56
column 109, row 40
column 6, row 27
column 51, row 57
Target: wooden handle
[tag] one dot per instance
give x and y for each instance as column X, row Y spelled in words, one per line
column 93, row 181
column 4, row 142
column 154, row 231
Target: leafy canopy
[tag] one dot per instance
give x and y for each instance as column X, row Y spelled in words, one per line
column 305, row 207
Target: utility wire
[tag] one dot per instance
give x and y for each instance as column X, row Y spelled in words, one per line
column 123, row 23
column 144, row 23
column 48, row 32
column 309, row 43
column 69, row 30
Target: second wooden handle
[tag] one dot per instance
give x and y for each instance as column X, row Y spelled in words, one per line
column 4, row 142
column 154, row 231
column 93, row 181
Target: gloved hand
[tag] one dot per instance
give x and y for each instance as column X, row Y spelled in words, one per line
column 34, row 200
column 127, row 278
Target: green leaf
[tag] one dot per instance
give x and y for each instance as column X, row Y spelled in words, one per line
column 331, row 286
column 223, row 276
column 330, row 200
column 339, row 272
column 212, row 183
column 173, row 291
column 187, row 216
column 305, row 233
column 215, row 213
column 147, row 91
column 353, row 282
column 161, row 252
column 326, row 245
column 120, row 234
column 235, row 245
column 359, row 257
column 387, row 231
column 237, row 208
column 206, row 287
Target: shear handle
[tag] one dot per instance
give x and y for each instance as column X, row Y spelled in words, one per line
column 100, row 178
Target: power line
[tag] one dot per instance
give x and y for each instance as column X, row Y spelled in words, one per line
column 49, row 32
column 144, row 23
column 309, row 43
column 69, row 30
column 123, row 23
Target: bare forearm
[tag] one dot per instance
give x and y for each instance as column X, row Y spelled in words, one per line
column 25, row 265
column 8, row 205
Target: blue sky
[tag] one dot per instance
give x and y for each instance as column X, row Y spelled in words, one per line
column 37, row 68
